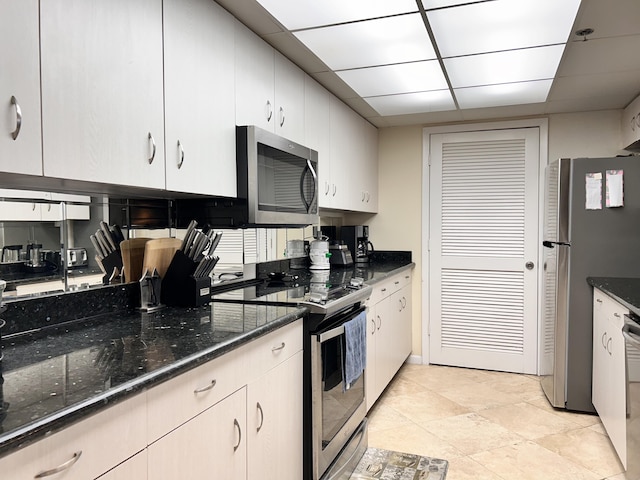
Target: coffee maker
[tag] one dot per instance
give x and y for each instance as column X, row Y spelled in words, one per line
column 356, row 237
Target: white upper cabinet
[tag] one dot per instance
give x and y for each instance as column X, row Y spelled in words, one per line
column 102, row 91
column 317, row 136
column 20, row 134
column 269, row 88
column 369, row 168
column 289, row 100
column 255, row 77
column 199, row 98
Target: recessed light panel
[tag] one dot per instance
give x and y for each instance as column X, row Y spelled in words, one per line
column 392, row 79
column 504, row 67
column 313, row 13
column 382, row 41
column 407, row 103
column 502, row 25
column 503, row 95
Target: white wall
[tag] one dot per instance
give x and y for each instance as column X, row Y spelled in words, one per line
column 398, row 226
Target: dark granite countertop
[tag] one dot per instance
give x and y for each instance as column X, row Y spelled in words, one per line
column 48, row 381
column 624, row 290
column 62, row 370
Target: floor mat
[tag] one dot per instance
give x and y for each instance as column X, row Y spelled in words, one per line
column 378, row 464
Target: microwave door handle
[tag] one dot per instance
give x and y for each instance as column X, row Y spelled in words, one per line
column 309, row 167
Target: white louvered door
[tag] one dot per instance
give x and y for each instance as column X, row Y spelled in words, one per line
column 484, row 230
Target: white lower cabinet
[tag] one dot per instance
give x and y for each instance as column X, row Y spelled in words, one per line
column 133, row 469
column 609, row 395
column 274, row 423
column 87, row 449
column 388, row 333
column 211, row 445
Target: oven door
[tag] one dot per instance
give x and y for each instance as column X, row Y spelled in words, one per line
column 336, row 412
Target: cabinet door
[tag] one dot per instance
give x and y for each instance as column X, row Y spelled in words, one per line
column 210, row 445
column 316, row 126
column 102, row 83
column 20, row 79
column 600, row 380
column 254, row 61
column 20, row 211
column 199, row 97
column 617, row 425
column 274, row 423
column 345, row 134
column 372, row 391
column 289, row 99
column 369, row 168
column 133, row 469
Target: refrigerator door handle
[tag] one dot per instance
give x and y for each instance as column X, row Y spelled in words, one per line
column 548, row 244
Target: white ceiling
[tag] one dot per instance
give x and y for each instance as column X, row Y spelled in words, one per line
column 598, row 74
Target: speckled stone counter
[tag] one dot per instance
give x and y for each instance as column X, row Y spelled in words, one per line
column 624, row 290
column 49, row 380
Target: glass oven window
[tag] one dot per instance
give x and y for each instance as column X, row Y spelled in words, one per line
column 285, row 182
column 337, row 405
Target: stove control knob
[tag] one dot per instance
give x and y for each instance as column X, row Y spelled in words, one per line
column 316, row 297
column 356, row 282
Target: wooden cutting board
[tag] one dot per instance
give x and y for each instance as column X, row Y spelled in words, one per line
column 132, row 258
column 158, row 254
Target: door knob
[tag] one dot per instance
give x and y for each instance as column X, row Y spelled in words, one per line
column 529, row 265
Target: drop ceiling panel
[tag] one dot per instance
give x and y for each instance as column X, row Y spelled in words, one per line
column 434, row 101
column 506, row 24
column 504, row 67
column 382, row 41
column 299, row 14
column 586, row 86
column 610, row 19
column 603, row 55
column 392, row 79
column 597, row 102
column 503, row 94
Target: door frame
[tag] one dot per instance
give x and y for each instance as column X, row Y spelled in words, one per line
column 543, row 125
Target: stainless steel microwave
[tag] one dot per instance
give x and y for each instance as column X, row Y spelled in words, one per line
column 277, row 178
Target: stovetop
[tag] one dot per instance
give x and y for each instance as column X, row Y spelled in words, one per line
column 324, row 292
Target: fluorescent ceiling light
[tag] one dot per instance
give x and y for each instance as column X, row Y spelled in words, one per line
column 502, row 25
column 504, row 67
column 503, row 95
column 383, row 41
column 391, row 79
column 420, row 102
column 313, row 13
column 430, row 4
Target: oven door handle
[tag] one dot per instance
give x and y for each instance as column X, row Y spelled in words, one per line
column 333, row 333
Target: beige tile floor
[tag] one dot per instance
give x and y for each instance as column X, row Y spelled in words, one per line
column 489, row 426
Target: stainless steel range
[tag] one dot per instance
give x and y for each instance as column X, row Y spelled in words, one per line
column 335, row 434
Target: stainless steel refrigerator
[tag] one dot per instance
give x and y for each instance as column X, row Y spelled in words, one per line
column 580, row 241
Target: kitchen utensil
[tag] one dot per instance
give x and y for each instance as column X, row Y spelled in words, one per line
column 108, row 235
column 200, row 243
column 133, row 258
column 188, row 236
column 100, row 253
column 104, row 244
column 158, row 254
column 205, row 267
column 214, row 242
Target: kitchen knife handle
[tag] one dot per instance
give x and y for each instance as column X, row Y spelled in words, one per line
column 181, row 149
column 15, row 103
column 153, row 151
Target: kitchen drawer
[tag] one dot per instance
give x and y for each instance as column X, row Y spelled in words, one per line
column 610, row 308
column 271, row 350
column 176, row 401
column 389, row 286
column 99, row 442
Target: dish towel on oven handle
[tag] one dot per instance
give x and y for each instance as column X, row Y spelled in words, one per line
column 355, row 357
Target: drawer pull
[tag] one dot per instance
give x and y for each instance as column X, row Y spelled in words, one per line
column 259, row 407
column 16, row 132
column 617, row 315
column 275, row 349
column 205, row 389
column 237, row 425
column 60, row 468
column 396, row 283
column 598, row 300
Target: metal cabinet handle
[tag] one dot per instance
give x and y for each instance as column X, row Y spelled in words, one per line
column 259, row 407
column 281, row 116
column 400, row 303
column 60, row 468
column 404, row 302
column 268, row 111
column 237, row 425
column 363, row 196
column 598, row 300
column 15, row 103
column 604, row 335
column 616, row 314
column 609, row 345
column 326, row 188
column 181, row 161
column 275, row 349
column 205, row 389
column 373, row 322
column 379, row 322
column 335, row 189
column 397, row 282
column 368, row 197
column 383, row 290
column 153, row 150
column 33, row 207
